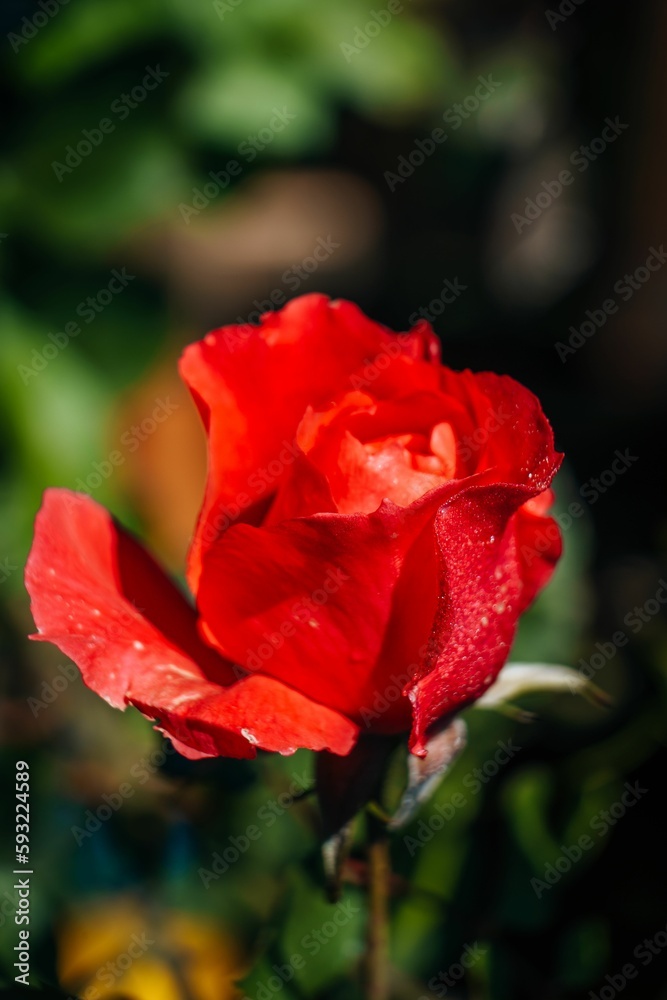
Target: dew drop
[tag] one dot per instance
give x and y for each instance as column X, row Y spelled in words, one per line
column 500, row 607
column 484, row 621
column 251, row 738
column 138, row 645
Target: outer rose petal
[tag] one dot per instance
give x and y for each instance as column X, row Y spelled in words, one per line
column 482, row 596
column 99, row 596
column 309, row 600
column 266, row 712
column 253, row 384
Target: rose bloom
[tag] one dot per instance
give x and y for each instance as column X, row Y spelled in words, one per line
column 373, row 525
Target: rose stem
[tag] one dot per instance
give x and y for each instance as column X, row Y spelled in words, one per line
column 377, row 948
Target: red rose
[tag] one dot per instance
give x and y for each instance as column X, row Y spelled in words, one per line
column 372, row 528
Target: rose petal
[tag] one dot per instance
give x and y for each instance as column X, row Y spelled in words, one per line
column 103, row 600
column 512, row 436
column 361, row 447
column 480, row 602
column 539, row 543
column 265, row 712
column 308, row 600
column 253, row 384
column 99, row 596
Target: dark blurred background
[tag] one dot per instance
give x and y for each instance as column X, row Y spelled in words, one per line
column 495, row 165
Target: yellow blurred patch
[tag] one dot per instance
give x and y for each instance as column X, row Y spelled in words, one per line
column 119, row 947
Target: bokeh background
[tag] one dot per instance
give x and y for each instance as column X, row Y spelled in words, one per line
column 318, row 111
